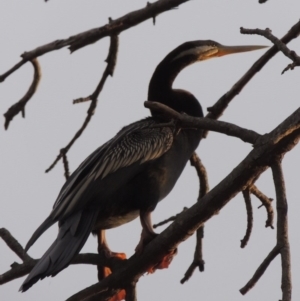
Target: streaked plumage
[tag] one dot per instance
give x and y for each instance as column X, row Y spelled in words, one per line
column 128, row 175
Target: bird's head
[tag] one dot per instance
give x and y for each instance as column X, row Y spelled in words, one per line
column 160, row 87
column 195, row 51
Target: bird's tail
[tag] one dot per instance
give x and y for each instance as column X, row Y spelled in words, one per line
column 72, row 235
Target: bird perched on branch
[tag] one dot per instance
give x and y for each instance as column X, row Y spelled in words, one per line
column 128, row 175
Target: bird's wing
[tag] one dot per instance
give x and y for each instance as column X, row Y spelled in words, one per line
column 141, row 142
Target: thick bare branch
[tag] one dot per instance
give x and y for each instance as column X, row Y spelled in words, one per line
column 247, row 198
column 186, row 121
column 111, row 63
column 20, row 105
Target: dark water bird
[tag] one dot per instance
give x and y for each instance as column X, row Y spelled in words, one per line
column 128, row 175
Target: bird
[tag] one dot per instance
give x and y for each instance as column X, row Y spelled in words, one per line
column 130, row 174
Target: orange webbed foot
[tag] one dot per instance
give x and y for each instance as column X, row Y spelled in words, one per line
column 164, row 263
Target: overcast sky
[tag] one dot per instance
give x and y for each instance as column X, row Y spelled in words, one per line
column 30, row 145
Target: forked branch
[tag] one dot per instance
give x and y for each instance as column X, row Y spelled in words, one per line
column 111, row 63
column 282, row 246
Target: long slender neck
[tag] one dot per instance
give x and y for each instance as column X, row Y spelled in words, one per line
column 160, row 87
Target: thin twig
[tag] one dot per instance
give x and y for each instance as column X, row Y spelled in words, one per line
column 260, row 271
column 66, row 165
column 91, row 36
column 282, row 230
column 111, row 63
column 198, row 261
column 131, row 292
column 266, row 202
column 20, row 105
column 217, row 110
column 247, row 198
column 168, row 220
column 267, row 33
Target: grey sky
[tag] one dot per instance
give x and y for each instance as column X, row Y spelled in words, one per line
column 31, row 144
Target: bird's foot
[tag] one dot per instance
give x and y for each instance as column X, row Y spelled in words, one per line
column 104, row 271
column 164, row 263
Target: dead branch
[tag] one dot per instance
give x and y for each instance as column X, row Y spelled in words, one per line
column 260, row 271
column 202, row 175
column 266, row 202
column 66, row 165
column 282, row 230
column 111, row 63
column 282, row 246
column 267, row 33
column 247, row 198
column 267, row 148
column 186, row 121
column 20, row 105
column 220, row 106
column 198, row 261
column 169, row 219
column 14, row 245
column 91, row 36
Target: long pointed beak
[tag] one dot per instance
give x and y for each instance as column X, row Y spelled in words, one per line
column 224, row 50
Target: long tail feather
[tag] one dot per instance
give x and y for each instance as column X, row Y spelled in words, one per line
column 48, row 222
column 68, row 243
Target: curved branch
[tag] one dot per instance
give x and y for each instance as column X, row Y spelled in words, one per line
column 266, row 202
column 247, row 198
column 20, row 105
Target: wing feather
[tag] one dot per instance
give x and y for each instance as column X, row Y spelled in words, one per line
column 141, row 142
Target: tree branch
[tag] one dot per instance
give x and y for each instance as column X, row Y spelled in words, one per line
column 282, row 230
column 220, row 106
column 266, row 202
column 198, row 261
column 186, row 121
column 282, row 246
column 260, row 271
column 20, row 105
column 268, row 147
column 267, row 33
column 111, row 63
column 88, row 37
column 247, row 198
